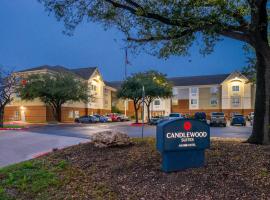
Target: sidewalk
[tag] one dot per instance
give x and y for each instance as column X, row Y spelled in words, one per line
column 17, row 146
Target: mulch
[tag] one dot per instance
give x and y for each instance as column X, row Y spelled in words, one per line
column 233, row 170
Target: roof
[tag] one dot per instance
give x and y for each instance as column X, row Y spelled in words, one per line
column 114, row 84
column 185, row 81
column 198, row 80
column 84, row 73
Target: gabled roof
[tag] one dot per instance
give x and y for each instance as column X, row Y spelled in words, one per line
column 114, row 84
column 186, row 80
column 84, row 73
column 198, row 80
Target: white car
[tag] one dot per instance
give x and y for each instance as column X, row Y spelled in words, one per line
column 175, row 116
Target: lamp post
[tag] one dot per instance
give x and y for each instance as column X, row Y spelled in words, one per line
column 143, row 97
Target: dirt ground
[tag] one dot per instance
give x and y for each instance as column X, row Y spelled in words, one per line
column 233, row 170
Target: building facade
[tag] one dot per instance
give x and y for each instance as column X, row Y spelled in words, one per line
column 37, row 111
column 228, row 93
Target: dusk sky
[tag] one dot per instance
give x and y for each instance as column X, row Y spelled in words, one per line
column 29, row 38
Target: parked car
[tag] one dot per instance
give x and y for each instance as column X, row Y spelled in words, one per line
column 201, row 116
column 163, row 119
column 103, row 119
column 114, row 117
column 250, row 116
column 186, row 116
column 124, row 118
column 238, row 119
column 175, row 116
column 217, row 119
column 86, row 119
column 154, row 120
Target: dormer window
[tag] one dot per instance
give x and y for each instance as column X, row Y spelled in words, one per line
column 235, row 88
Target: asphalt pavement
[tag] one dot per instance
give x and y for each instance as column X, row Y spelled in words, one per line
column 17, row 146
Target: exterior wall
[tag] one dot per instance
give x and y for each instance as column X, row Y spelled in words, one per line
column 36, row 111
column 35, row 114
column 207, row 94
column 182, row 106
column 245, row 93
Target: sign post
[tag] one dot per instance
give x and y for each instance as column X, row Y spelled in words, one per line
column 182, row 143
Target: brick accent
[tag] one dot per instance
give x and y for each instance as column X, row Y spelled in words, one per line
column 41, row 114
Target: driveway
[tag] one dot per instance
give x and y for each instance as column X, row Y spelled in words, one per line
column 17, row 146
column 86, row 130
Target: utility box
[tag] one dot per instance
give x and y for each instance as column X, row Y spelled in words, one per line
column 182, row 143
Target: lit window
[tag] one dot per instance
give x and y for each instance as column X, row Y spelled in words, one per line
column 157, row 102
column 194, row 102
column 235, row 101
column 194, row 90
column 93, row 87
column 235, row 88
column 76, row 114
column 175, row 101
column 70, row 114
column 214, row 101
column 213, row 90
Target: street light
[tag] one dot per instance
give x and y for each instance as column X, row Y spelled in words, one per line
column 143, row 96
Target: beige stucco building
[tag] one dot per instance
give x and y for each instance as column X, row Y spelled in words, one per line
column 37, row 111
column 228, row 93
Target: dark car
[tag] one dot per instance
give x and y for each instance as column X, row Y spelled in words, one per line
column 217, row 119
column 201, row 116
column 238, row 119
column 102, row 118
column 154, row 120
column 86, row 119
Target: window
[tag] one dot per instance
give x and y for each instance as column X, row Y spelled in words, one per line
column 76, row 114
column 175, row 101
column 16, row 115
column 70, row 114
column 235, row 88
column 93, row 87
column 213, row 90
column 194, row 101
column 157, row 102
column 213, row 101
column 194, row 90
column 235, row 101
column 175, row 91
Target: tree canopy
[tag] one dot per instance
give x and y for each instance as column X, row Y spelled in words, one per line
column 8, row 83
column 156, row 86
column 54, row 90
column 169, row 27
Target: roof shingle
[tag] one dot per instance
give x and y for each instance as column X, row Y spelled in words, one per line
column 84, row 73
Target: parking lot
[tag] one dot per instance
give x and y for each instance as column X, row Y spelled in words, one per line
column 16, row 146
column 86, row 130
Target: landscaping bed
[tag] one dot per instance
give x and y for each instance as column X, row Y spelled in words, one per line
column 13, row 127
column 233, row 170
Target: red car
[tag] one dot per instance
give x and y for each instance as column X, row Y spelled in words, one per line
column 115, row 117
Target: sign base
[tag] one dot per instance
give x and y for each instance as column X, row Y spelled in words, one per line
column 180, row 160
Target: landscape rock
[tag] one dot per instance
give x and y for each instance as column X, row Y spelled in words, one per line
column 110, row 139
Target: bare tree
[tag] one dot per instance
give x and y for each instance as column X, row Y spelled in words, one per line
column 8, row 83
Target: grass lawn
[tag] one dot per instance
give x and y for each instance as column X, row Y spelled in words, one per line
column 13, row 126
column 233, row 170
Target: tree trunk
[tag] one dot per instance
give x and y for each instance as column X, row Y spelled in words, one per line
column 136, row 111
column 148, row 112
column 261, row 132
column 59, row 113
column 1, row 117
